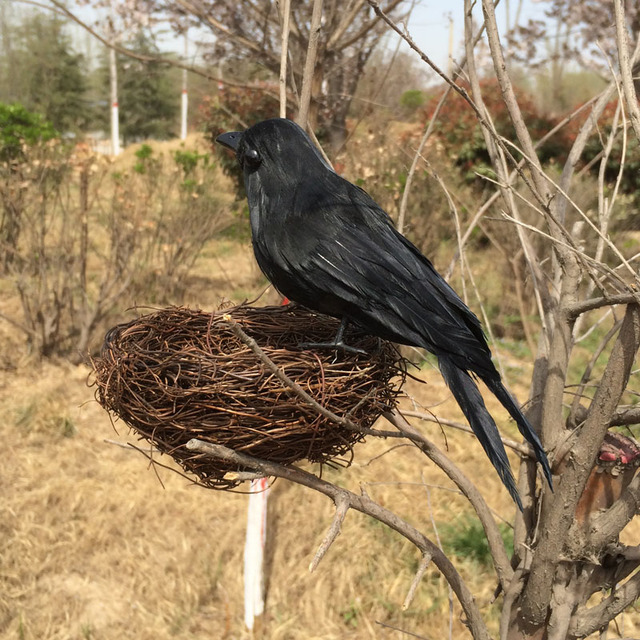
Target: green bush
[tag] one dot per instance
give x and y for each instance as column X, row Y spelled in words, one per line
column 18, row 127
column 412, row 100
column 466, row 539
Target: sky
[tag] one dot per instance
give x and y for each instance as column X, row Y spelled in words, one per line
column 428, row 25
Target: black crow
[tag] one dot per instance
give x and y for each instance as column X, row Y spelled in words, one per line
column 325, row 244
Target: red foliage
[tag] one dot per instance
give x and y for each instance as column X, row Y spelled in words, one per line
column 460, row 132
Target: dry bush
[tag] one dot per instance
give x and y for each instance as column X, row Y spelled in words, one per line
column 90, row 234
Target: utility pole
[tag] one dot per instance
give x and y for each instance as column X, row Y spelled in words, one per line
column 450, row 65
column 113, row 77
column 185, row 95
column 115, row 122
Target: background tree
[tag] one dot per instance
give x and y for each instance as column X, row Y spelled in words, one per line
column 248, row 31
column 387, row 75
column 147, row 93
column 348, row 37
column 41, row 70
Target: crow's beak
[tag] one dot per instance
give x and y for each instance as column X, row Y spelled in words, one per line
column 230, row 139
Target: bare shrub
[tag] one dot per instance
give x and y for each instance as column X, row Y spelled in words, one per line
column 92, row 237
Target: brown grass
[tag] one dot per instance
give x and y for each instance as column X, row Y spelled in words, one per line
column 95, row 544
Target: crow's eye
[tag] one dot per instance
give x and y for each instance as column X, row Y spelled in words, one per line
column 252, row 158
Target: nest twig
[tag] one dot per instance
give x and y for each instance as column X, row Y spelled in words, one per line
column 178, row 374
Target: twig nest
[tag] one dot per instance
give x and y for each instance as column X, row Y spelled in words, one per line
column 178, row 374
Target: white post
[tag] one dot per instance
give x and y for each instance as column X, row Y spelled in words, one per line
column 115, row 124
column 450, row 62
column 254, row 551
column 113, row 77
column 185, row 96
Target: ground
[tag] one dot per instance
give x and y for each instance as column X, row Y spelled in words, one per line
column 96, row 543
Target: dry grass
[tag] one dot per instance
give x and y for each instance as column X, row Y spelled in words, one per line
column 93, row 545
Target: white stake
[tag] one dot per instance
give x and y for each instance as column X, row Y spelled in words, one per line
column 115, row 124
column 254, row 551
column 185, row 96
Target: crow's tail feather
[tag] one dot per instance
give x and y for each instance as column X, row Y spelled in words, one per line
column 468, row 396
column 524, row 426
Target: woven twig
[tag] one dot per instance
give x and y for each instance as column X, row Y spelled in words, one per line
column 178, row 374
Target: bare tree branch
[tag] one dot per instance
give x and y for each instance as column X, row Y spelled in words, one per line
column 342, row 506
column 346, row 20
column 583, row 306
column 367, row 27
column 522, row 448
column 417, row 578
column 607, row 525
column 630, row 97
column 148, row 58
column 509, row 96
column 621, row 417
column 469, row 490
column 365, row 505
column 284, row 53
column 296, row 388
column 537, row 592
column 594, row 618
column 423, row 141
column 310, row 63
column 196, row 9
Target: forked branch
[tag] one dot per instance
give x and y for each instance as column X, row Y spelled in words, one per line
column 365, row 505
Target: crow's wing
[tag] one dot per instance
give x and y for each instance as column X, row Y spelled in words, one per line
column 338, row 252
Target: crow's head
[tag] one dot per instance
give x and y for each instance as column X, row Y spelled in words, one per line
column 274, row 150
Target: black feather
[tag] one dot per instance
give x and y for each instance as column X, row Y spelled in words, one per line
column 468, row 396
column 324, row 243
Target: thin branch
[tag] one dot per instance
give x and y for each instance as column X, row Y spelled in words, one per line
column 470, row 491
column 480, row 116
column 365, row 505
column 435, row 531
column 128, row 446
column 364, row 30
column 427, row 134
column 605, row 205
column 17, row 325
column 631, row 99
column 208, row 18
column 586, row 260
column 371, row 102
column 343, row 421
column 496, row 194
column 310, row 64
column 510, row 595
column 588, row 620
column 148, row 58
column 510, row 100
column 284, row 51
column 342, row 506
column 347, row 19
column 404, row 632
column 607, row 525
column 425, row 561
column 583, row 306
column 519, row 447
column 562, row 231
